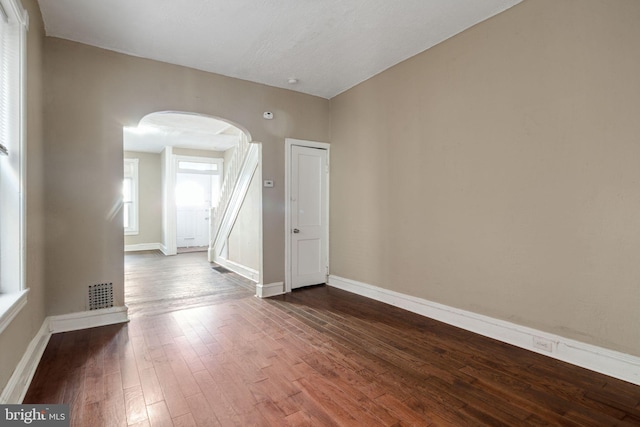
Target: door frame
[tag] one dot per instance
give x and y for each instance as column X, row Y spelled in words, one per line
column 289, row 143
column 177, row 158
column 169, row 245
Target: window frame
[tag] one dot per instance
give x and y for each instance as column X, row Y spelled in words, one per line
column 131, row 171
column 13, row 285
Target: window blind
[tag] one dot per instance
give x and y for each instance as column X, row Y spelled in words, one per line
column 13, row 26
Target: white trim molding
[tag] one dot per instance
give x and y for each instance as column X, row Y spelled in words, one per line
column 10, row 306
column 20, row 12
column 18, row 384
column 615, row 364
column 132, row 172
column 231, row 210
column 88, row 319
column 143, row 247
column 242, row 270
column 269, row 290
column 168, row 167
column 165, row 250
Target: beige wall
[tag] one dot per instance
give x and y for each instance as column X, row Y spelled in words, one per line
column 16, row 337
column 149, row 199
column 244, row 241
column 498, row 172
column 91, row 94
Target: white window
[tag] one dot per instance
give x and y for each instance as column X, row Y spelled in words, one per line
column 130, row 197
column 199, row 166
column 13, row 27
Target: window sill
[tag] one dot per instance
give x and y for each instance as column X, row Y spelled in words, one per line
column 10, row 306
column 131, row 233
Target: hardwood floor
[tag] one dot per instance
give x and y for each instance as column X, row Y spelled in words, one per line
column 157, row 284
column 318, row 356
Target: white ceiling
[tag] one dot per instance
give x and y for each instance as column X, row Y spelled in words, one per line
column 328, row 45
column 158, row 130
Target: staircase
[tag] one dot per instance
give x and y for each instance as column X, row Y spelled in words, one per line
column 238, row 173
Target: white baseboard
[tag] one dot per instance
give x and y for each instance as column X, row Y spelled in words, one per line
column 240, row 269
column 615, row 364
column 18, row 384
column 143, row 247
column 88, row 319
column 269, row 290
column 165, row 250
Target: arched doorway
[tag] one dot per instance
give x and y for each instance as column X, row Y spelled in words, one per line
column 181, row 177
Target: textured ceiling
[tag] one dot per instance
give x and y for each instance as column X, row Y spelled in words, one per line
column 328, row 45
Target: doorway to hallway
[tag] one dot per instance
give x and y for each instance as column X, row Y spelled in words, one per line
column 197, row 192
column 183, row 162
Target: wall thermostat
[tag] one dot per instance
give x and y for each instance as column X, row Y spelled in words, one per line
column 267, row 115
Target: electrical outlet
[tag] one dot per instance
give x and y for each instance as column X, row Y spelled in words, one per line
column 543, row 344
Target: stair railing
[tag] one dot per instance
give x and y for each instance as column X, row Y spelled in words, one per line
column 232, row 170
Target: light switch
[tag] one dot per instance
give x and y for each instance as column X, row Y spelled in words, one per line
column 268, row 183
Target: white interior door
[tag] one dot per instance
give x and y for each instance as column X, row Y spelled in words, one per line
column 309, row 217
column 197, row 189
column 193, row 202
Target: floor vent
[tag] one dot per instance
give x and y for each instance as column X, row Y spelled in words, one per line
column 100, row 296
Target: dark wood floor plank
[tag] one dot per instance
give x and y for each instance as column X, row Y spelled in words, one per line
column 495, row 386
column 401, row 411
column 202, row 413
column 141, row 353
column 186, row 350
column 135, row 406
column 183, row 374
column 129, row 369
column 327, row 365
column 337, row 410
column 551, row 393
column 94, row 375
column 186, row 420
column 150, row 386
column 114, row 411
column 175, row 400
column 159, row 415
column 113, row 386
column 271, row 413
column 282, row 386
column 235, row 390
column 218, row 400
column 202, row 350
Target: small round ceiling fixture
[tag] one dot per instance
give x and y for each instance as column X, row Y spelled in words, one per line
column 293, row 81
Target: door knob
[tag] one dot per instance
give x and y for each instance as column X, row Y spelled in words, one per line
column 296, row 231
